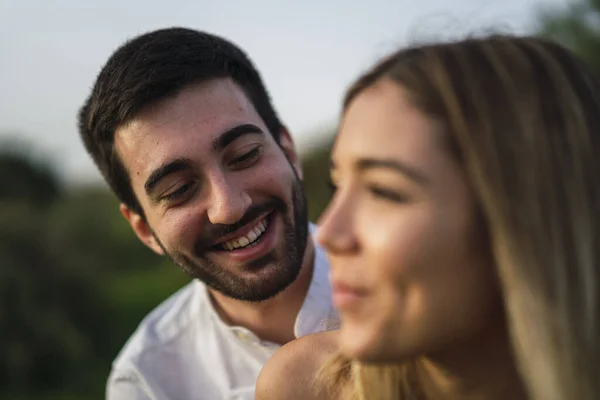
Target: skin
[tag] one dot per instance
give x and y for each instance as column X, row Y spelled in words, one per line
column 206, row 170
column 411, row 271
column 301, row 358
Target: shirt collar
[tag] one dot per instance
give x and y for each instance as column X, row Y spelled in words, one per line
column 317, row 313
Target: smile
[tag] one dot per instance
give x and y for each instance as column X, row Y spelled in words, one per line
column 250, row 239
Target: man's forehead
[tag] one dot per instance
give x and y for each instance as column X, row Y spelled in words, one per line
column 206, row 107
column 210, row 101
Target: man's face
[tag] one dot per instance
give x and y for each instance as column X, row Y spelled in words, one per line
column 221, row 197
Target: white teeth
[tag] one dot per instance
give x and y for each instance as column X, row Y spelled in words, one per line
column 248, row 239
column 252, row 236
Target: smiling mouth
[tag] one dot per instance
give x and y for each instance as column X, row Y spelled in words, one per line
column 248, row 240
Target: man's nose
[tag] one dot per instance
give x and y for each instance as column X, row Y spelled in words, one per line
column 228, row 201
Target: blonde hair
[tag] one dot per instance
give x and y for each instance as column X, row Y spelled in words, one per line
column 523, row 118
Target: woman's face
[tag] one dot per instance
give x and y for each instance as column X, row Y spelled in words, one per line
column 410, row 268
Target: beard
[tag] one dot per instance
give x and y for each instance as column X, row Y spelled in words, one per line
column 274, row 272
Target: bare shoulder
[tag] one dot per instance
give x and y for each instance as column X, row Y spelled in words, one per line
column 291, row 372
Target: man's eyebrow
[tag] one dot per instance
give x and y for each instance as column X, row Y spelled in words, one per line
column 405, row 169
column 164, row 170
column 227, row 137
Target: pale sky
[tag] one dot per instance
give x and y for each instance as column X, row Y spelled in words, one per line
column 307, row 51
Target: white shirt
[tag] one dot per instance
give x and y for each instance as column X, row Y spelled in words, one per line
column 183, row 351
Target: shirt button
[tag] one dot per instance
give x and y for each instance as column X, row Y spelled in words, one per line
column 244, row 337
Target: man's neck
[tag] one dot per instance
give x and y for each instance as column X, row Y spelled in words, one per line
column 482, row 370
column 274, row 319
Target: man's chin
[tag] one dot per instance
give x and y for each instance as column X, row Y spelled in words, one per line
column 253, row 283
column 258, row 285
column 256, row 295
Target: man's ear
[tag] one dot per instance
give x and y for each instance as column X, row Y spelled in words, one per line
column 287, row 144
column 141, row 229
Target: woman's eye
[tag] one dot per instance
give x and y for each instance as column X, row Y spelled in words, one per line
column 387, row 194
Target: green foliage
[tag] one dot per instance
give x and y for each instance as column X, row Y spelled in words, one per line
column 577, row 27
column 315, row 167
column 25, row 178
column 74, row 283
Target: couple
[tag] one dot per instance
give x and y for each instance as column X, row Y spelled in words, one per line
column 463, row 232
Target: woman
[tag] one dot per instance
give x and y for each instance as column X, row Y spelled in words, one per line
column 464, row 232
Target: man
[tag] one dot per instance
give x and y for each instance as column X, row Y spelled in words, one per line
column 183, row 130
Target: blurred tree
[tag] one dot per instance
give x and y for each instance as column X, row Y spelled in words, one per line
column 41, row 305
column 33, row 324
column 576, row 27
column 74, row 282
column 315, row 167
column 26, row 178
column 88, row 222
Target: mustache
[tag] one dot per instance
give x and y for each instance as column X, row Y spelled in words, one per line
column 216, row 231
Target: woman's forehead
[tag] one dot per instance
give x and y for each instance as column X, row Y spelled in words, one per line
column 381, row 122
